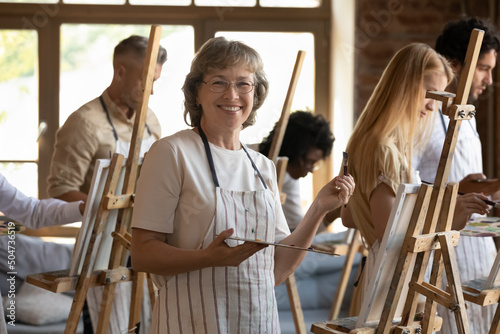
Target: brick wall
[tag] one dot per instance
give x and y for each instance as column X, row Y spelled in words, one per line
column 383, row 27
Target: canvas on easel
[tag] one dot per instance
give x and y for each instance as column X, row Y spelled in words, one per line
column 387, row 256
column 383, row 267
column 89, row 217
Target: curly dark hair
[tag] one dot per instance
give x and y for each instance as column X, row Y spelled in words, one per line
column 454, row 39
column 304, row 130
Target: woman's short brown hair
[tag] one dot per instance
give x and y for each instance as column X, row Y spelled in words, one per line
column 216, row 54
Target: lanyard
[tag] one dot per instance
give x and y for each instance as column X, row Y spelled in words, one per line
column 111, row 123
column 211, row 160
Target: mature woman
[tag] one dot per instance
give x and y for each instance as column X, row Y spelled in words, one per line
column 201, row 186
column 392, row 124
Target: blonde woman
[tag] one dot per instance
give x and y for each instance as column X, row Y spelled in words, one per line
column 392, row 125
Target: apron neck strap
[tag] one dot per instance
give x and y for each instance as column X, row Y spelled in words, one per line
column 211, row 160
column 109, row 118
column 209, row 156
column 111, row 123
column 255, row 167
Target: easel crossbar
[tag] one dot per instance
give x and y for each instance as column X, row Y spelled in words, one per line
column 430, row 291
column 60, row 280
column 428, row 242
column 118, row 201
column 348, row 325
column 474, row 292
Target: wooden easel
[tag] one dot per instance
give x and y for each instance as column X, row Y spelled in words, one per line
column 349, row 248
column 281, row 164
column 486, row 291
column 434, row 205
column 112, row 199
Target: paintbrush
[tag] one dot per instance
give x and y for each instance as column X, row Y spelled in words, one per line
column 493, row 204
column 345, row 162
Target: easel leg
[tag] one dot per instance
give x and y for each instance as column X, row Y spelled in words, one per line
column 495, row 324
column 108, row 295
column 344, row 277
column 411, row 304
column 293, row 294
column 77, row 307
column 445, row 221
column 151, row 288
column 453, row 277
column 430, row 304
column 136, row 300
column 394, row 294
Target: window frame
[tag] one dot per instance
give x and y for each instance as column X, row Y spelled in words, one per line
column 206, row 21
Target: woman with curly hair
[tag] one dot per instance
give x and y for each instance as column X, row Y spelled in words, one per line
column 307, row 141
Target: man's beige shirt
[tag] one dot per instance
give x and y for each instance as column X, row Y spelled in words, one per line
column 85, row 137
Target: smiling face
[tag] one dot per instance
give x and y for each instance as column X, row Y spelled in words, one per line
column 434, row 81
column 227, row 110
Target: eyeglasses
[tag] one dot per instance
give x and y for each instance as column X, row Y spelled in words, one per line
column 220, row 86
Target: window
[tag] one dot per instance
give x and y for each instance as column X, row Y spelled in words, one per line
column 290, row 3
column 97, row 2
column 31, row 1
column 87, row 69
column 279, row 52
column 161, row 2
column 219, row 3
column 226, row 3
column 19, row 108
column 74, row 40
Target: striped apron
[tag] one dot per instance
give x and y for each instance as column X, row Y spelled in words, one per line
column 227, row 299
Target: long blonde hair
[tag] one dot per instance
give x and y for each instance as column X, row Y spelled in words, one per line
column 392, row 114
